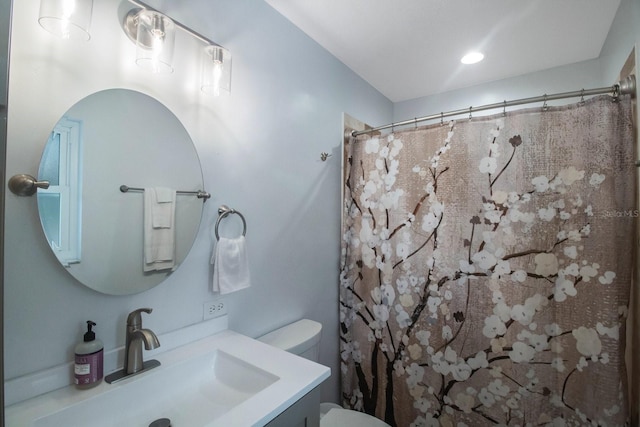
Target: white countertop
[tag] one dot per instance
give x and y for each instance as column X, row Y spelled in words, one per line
column 290, row 378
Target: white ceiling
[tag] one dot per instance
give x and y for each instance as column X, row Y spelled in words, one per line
column 412, row 48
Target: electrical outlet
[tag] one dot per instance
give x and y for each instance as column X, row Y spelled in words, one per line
column 213, row 309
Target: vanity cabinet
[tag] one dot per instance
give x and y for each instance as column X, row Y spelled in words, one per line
column 304, row 413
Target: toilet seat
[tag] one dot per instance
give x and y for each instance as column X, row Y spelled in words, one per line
column 327, row 406
column 348, row 418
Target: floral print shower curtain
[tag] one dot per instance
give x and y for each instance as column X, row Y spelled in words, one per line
column 486, row 269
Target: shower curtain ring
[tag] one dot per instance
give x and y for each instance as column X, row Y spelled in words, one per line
column 441, row 118
column 582, row 97
column 616, row 93
column 470, row 109
column 415, row 122
column 545, row 107
column 504, row 109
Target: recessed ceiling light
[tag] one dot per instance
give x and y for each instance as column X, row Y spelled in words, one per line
column 472, row 58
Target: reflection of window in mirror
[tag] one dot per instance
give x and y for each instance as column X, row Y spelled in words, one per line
column 60, row 205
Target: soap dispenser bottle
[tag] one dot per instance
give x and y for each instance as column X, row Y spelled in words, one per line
column 88, row 368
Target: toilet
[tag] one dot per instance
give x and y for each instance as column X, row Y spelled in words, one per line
column 303, row 339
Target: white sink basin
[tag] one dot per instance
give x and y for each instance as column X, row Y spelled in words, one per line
column 194, row 392
column 223, row 380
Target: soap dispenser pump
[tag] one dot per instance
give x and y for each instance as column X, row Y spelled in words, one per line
column 89, row 354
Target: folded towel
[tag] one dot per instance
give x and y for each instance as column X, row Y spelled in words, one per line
column 159, row 229
column 230, row 265
column 162, row 209
column 165, row 195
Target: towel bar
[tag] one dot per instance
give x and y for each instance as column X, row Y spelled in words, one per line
column 200, row 193
column 225, row 210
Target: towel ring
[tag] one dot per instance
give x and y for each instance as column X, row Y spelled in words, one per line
column 225, row 210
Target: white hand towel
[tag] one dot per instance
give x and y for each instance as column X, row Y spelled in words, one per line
column 164, row 195
column 230, row 265
column 162, row 207
column 159, row 242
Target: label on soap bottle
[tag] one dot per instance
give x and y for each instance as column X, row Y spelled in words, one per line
column 88, row 368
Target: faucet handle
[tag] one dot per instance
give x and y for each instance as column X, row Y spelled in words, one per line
column 135, row 318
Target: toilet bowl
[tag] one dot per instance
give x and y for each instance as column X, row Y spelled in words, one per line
column 303, row 339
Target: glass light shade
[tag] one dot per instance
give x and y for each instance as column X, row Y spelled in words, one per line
column 216, row 71
column 68, row 19
column 155, row 41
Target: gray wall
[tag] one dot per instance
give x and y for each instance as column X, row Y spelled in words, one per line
column 260, row 153
column 623, row 35
column 561, row 79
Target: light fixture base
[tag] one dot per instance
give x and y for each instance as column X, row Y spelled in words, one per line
column 130, row 24
column 132, row 20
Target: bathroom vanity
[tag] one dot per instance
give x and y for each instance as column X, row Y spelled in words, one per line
column 208, row 376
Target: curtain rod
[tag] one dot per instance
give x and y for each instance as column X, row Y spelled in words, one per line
column 624, row 87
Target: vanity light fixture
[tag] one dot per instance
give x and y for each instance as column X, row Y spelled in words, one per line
column 68, row 19
column 154, row 32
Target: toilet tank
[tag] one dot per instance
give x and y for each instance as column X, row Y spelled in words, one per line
column 301, row 338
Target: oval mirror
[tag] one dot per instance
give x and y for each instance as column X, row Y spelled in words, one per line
column 99, row 233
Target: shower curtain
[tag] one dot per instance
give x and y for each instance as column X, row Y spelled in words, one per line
column 486, row 269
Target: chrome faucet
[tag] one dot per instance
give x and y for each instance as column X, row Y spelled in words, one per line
column 136, row 336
